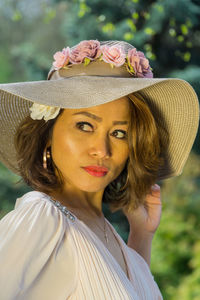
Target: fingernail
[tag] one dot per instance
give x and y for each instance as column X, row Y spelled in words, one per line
column 155, row 187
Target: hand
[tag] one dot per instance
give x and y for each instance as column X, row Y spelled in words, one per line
column 146, row 218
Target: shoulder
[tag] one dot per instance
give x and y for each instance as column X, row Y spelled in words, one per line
column 34, row 217
column 32, row 197
column 35, row 236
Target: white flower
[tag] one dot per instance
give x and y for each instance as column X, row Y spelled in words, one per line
column 39, row 111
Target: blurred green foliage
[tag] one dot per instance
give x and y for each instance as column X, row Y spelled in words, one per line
column 176, row 259
column 167, row 31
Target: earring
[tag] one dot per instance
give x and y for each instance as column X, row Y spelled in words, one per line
column 46, row 156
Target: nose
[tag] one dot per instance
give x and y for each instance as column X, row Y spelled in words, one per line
column 100, row 147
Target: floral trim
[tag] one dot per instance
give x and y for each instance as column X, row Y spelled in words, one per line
column 89, row 50
column 86, row 51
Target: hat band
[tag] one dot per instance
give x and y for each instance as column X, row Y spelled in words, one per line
column 95, row 68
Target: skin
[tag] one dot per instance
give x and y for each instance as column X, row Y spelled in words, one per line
column 74, row 146
column 144, row 222
column 102, row 143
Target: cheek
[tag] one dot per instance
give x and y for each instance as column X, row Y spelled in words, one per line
column 120, row 159
column 123, row 153
column 64, row 146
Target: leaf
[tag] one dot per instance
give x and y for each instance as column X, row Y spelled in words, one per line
column 128, row 36
column 130, row 69
column 184, row 29
column 86, row 61
column 65, row 67
column 149, row 31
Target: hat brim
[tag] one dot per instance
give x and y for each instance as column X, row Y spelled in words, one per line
column 173, row 103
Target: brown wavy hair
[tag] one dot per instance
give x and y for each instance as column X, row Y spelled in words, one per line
column 129, row 189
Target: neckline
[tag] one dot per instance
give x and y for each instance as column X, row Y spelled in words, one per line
column 64, row 208
column 106, row 249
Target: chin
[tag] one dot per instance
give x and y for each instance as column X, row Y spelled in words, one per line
column 92, row 188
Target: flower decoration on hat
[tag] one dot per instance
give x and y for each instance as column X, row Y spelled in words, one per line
column 113, row 55
column 39, row 111
column 138, row 64
column 61, row 58
column 87, row 52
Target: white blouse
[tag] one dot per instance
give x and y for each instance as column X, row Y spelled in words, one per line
column 50, row 254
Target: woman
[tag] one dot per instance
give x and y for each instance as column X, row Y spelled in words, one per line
column 99, row 129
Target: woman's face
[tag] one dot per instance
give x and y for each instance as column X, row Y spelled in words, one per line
column 94, row 136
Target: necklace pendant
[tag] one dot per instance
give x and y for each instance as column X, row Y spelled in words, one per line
column 106, row 237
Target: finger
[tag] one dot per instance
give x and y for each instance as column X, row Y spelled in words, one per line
column 155, row 187
column 153, row 201
column 154, row 198
column 155, row 191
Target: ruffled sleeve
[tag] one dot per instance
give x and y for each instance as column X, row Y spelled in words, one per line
column 37, row 256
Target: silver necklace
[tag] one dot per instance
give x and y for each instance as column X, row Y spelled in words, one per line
column 104, row 230
column 72, row 218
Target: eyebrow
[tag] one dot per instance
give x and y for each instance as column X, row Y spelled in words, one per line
column 99, row 119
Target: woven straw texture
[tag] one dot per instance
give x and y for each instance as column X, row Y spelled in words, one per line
column 173, row 103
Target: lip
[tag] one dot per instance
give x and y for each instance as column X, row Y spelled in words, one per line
column 96, row 170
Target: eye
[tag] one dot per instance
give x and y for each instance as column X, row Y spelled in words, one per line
column 120, row 134
column 84, row 126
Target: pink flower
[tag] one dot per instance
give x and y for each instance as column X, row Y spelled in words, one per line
column 139, row 63
column 89, row 49
column 61, row 58
column 113, row 55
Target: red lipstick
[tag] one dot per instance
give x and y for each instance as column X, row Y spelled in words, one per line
column 96, row 170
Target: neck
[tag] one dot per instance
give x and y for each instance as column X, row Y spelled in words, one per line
column 88, row 203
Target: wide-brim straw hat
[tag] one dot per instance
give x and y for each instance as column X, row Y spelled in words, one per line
column 172, row 101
